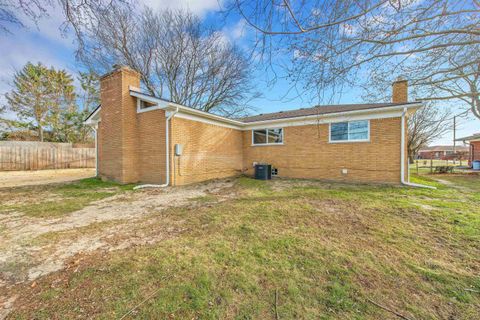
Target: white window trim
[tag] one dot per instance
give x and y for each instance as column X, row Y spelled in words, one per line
column 268, row 144
column 348, row 140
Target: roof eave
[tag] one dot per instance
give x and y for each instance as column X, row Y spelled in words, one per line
column 94, row 117
column 410, row 106
column 168, row 105
column 172, row 105
column 469, row 138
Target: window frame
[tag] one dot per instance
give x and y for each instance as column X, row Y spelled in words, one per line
column 267, row 143
column 348, row 132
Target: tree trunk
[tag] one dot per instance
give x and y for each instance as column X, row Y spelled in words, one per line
column 411, row 159
column 40, row 133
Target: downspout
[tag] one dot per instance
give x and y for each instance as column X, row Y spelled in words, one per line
column 402, row 159
column 167, row 157
column 95, row 129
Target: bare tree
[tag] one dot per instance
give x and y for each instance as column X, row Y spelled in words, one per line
column 178, row 57
column 76, row 12
column 31, row 9
column 457, row 82
column 462, row 84
column 424, row 126
column 347, row 42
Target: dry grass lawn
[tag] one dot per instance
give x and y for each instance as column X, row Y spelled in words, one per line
column 280, row 249
column 9, row 179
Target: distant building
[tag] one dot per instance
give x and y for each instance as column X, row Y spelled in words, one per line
column 443, row 152
column 474, row 150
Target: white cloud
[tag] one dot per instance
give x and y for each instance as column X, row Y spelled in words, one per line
column 199, row 7
column 239, row 30
column 48, row 26
column 236, row 33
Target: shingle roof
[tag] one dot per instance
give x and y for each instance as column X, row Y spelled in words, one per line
column 319, row 110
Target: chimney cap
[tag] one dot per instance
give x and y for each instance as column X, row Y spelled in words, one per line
column 400, row 79
column 118, row 66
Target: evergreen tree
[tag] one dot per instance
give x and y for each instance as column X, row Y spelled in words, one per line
column 45, row 100
column 62, row 102
column 29, row 99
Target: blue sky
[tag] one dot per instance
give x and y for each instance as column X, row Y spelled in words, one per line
column 46, row 43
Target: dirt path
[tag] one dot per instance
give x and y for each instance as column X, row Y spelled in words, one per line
column 10, row 179
column 33, row 247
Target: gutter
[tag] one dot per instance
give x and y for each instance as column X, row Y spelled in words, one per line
column 167, row 157
column 402, row 159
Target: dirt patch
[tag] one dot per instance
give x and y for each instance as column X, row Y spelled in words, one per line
column 33, row 247
column 9, row 179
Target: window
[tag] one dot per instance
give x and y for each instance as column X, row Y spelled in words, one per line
column 350, row 131
column 267, row 136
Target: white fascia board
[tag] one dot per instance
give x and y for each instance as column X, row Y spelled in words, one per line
column 94, row 118
column 197, row 118
column 182, row 110
column 209, row 118
column 469, row 138
column 213, row 117
column 159, row 104
column 379, row 113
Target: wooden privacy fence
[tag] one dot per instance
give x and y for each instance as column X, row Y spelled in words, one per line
column 32, row 155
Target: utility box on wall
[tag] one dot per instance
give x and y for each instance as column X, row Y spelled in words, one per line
column 178, row 149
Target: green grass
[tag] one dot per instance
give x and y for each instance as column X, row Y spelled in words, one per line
column 325, row 249
column 58, row 200
column 425, row 167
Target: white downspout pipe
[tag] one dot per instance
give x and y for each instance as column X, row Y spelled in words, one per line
column 402, row 158
column 95, row 130
column 167, row 157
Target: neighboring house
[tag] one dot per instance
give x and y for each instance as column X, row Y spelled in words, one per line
column 474, row 148
column 142, row 138
column 443, row 152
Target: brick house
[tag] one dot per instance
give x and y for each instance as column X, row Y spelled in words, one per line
column 474, row 147
column 142, row 138
column 443, row 152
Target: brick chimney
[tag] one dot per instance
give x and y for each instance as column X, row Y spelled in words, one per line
column 400, row 90
column 118, row 125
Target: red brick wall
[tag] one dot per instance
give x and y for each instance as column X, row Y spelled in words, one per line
column 118, row 128
column 475, row 147
column 307, row 153
column 151, row 146
column 132, row 146
column 209, row 151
